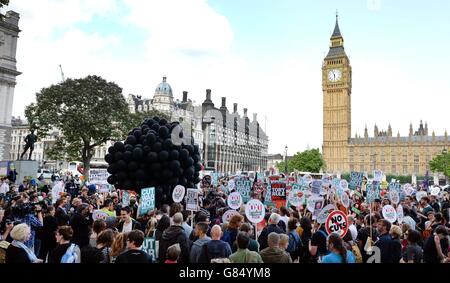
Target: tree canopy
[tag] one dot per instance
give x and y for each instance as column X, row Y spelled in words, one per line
column 88, row 112
column 441, row 163
column 306, row 161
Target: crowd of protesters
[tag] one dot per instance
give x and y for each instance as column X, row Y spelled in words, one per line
column 38, row 227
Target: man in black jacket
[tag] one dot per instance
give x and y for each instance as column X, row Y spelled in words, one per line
column 273, row 227
column 80, row 223
column 173, row 235
column 127, row 223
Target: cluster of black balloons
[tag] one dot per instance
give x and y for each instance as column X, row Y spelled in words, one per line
column 149, row 158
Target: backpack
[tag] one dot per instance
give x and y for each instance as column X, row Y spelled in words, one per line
column 70, row 256
column 296, row 250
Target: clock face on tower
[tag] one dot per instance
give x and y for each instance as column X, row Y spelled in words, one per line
column 334, row 75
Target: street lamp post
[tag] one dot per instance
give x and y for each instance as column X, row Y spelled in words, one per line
column 444, row 153
column 285, row 159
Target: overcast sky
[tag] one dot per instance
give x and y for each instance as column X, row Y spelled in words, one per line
column 264, row 55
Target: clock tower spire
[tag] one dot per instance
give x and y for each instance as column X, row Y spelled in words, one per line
column 336, row 87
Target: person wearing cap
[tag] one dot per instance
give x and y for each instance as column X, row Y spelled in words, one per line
column 436, row 247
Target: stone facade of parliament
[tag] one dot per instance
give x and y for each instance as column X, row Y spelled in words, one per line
column 384, row 151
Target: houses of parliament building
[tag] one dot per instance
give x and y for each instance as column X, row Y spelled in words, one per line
column 384, row 150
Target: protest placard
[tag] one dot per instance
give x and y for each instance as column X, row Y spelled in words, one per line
column 316, row 185
column 147, row 200
column 125, row 198
column 98, row 214
column 378, row 175
column 420, row 195
column 192, row 199
column 389, row 213
column 98, row 176
column 234, row 200
column 255, row 211
column 337, row 223
column 356, row 179
column 312, row 201
column 345, row 199
column 323, row 215
column 228, row 214
column 178, row 193
column 400, row 214
column 151, row 247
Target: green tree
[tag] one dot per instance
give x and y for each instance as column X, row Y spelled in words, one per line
column 88, row 112
column 4, row 3
column 441, row 163
column 308, row 160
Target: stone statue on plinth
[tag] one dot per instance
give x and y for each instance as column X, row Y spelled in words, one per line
column 30, row 140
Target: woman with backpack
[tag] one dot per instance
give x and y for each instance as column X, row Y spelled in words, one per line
column 295, row 243
column 65, row 251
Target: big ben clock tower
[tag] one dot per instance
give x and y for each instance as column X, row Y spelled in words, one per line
column 337, row 87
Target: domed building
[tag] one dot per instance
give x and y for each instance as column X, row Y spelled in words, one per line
column 163, row 98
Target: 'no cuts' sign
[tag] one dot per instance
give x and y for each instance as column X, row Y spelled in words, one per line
column 337, row 223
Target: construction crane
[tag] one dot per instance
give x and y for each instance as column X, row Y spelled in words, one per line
column 62, row 73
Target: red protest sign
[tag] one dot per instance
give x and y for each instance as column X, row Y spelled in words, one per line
column 337, row 223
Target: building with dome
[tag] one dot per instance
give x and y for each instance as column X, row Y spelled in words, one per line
column 397, row 155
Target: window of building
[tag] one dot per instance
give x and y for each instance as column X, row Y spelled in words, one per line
column 416, row 158
column 405, row 169
column 393, row 169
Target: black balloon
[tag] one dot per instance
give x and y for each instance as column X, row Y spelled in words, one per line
column 127, row 156
column 147, row 149
column 163, row 132
column 129, row 147
column 163, row 122
column 174, row 154
column 133, row 166
column 196, row 149
column 150, row 138
column 111, row 180
column 137, row 154
column 184, row 154
column 112, row 169
column 189, row 172
column 112, row 150
column 156, row 118
column 174, row 165
column 157, row 147
column 142, row 139
column 121, row 165
column 122, row 176
column 131, row 140
column 109, row 158
column 196, row 158
column 155, row 127
column 152, row 157
column 198, row 166
column 190, row 148
column 118, row 156
column 163, row 156
column 119, row 146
